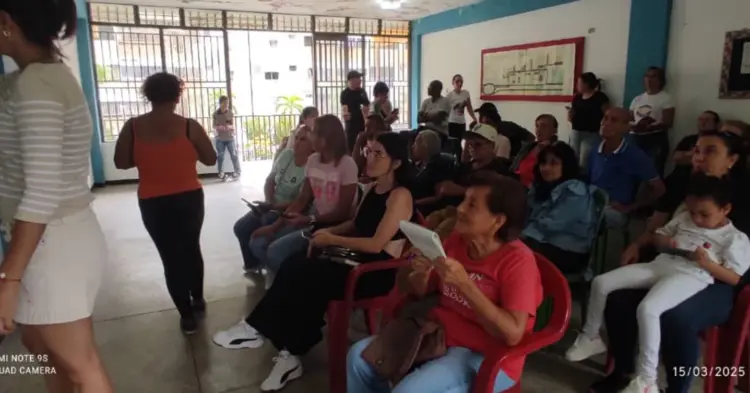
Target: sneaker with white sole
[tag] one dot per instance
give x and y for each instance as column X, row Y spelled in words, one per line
column 239, row 336
column 287, row 368
column 641, row 385
column 585, row 347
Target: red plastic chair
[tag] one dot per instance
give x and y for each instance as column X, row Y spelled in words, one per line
column 338, row 315
column 339, row 312
column 723, row 348
column 556, row 288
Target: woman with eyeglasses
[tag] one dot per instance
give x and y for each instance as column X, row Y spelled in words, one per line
column 282, row 187
column 716, row 154
column 290, row 315
column 329, row 191
column 374, row 125
column 562, row 218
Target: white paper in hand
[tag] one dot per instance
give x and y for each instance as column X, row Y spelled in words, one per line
column 425, row 240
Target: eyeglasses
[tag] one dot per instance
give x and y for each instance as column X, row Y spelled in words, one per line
column 366, row 151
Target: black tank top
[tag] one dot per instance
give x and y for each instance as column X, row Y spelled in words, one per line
column 371, row 211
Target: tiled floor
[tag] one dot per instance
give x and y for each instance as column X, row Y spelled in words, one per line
column 137, row 326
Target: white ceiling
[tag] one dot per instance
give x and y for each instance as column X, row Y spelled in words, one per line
column 411, row 9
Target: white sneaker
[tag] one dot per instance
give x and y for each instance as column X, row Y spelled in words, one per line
column 287, row 368
column 641, row 385
column 584, row 348
column 221, row 175
column 239, row 336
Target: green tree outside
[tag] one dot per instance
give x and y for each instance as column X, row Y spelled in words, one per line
column 289, row 105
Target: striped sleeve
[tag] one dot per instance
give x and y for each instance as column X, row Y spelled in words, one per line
column 39, row 114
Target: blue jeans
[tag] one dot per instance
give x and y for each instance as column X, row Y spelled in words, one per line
column 453, row 373
column 244, row 228
column 223, row 146
column 582, row 143
column 680, row 326
column 277, row 249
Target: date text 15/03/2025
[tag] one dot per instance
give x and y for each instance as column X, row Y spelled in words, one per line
column 700, row 371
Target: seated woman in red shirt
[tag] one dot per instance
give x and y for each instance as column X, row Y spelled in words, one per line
column 546, row 133
column 490, row 290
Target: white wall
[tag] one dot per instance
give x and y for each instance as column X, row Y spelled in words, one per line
column 458, row 51
column 696, row 45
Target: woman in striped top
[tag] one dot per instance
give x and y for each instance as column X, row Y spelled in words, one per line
column 52, row 269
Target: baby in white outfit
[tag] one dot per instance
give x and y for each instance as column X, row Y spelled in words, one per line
column 711, row 249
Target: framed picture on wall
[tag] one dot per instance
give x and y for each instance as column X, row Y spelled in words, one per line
column 735, row 68
column 541, row 71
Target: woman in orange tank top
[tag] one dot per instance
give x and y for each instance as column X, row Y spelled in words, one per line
column 165, row 148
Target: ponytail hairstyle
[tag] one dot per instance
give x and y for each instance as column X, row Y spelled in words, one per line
column 589, row 79
column 309, row 111
column 397, row 151
column 43, row 22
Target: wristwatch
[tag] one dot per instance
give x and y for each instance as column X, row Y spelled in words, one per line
column 4, row 277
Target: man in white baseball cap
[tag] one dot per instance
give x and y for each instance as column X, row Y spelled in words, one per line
column 485, row 131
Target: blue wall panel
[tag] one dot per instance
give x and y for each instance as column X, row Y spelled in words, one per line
column 648, row 42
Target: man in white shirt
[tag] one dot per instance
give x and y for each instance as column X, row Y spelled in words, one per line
column 652, row 114
column 435, row 110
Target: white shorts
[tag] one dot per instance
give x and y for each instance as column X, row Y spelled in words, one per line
column 63, row 277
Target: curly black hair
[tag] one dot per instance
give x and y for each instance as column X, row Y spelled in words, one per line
column 162, row 88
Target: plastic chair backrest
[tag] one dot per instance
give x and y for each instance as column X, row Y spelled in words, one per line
column 555, row 291
column 601, row 200
column 449, row 159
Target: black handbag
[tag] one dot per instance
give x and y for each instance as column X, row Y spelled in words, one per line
column 349, row 257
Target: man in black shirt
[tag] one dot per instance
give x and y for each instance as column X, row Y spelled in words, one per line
column 480, row 142
column 683, row 153
column 355, row 107
column 517, row 135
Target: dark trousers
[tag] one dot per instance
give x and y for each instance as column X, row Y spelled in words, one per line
column 457, row 130
column 680, row 326
column 656, row 146
column 568, row 262
column 174, row 223
column 352, row 130
column 291, row 313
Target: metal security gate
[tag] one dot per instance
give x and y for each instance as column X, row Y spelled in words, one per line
column 380, row 59
column 236, row 54
column 198, row 58
column 330, row 62
column 126, row 56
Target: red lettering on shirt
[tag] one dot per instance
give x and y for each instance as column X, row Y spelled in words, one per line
column 509, row 277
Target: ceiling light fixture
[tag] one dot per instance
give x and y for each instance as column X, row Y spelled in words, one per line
column 390, row 4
